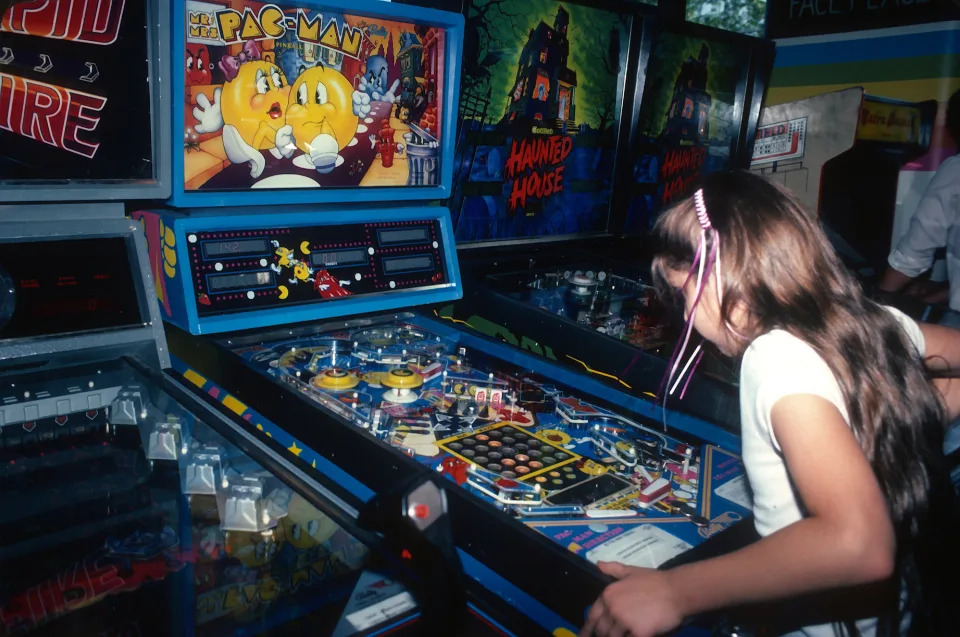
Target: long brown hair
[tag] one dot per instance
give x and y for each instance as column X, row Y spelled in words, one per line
column 781, row 271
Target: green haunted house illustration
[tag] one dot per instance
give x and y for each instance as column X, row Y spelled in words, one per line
column 545, row 88
column 688, row 117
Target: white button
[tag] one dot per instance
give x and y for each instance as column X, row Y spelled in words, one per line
column 250, row 294
column 370, row 251
column 192, row 238
column 436, row 245
column 393, row 284
column 263, row 263
column 218, row 266
column 357, row 276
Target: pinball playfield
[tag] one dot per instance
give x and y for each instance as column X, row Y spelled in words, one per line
column 605, row 484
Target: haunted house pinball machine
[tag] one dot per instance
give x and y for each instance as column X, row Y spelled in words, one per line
column 587, row 302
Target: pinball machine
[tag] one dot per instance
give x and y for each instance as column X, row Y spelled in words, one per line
column 566, row 276
column 132, row 507
column 555, row 470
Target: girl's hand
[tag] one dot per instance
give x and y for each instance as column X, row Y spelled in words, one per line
column 642, row 604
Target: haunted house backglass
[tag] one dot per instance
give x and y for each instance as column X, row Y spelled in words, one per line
column 539, row 120
column 690, row 119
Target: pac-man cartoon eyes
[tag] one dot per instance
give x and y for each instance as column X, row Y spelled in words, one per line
column 319, row 97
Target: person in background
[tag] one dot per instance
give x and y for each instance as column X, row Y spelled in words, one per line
column 936, row 224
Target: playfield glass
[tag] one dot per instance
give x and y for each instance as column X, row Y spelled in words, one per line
column 123, row 513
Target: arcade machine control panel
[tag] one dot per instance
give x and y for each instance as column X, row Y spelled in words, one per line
column 605, row 484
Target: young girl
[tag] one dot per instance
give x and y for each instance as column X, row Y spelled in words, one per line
column 841, row 426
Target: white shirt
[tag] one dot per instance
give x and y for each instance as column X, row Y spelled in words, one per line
column 934, row 225
column 775, row 365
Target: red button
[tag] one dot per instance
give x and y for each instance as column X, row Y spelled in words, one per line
column 420, row 511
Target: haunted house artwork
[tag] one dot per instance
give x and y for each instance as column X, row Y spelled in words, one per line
column 688, row 117
column 545, row 88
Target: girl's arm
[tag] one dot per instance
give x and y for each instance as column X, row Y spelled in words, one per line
column 846, row 539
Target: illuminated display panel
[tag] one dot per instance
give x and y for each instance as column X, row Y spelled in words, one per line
column 340, row 258
column 305, row 264
column 407, row 264
column 239, row 248
column 242, row 280
column 405, row 235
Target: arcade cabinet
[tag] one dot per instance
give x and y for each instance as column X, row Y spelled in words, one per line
column 859, row 188
column 80, row 94
column 129, row 504
column 296, row 315
column 585, row 301
column 796, row 139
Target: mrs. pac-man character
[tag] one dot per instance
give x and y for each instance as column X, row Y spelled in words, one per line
column 250, row 110
column 323, row 112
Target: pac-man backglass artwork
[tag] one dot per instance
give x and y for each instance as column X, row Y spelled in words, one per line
column 301, row 95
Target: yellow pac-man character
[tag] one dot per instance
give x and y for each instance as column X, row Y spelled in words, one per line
column 321, row 114
column 284, row 254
